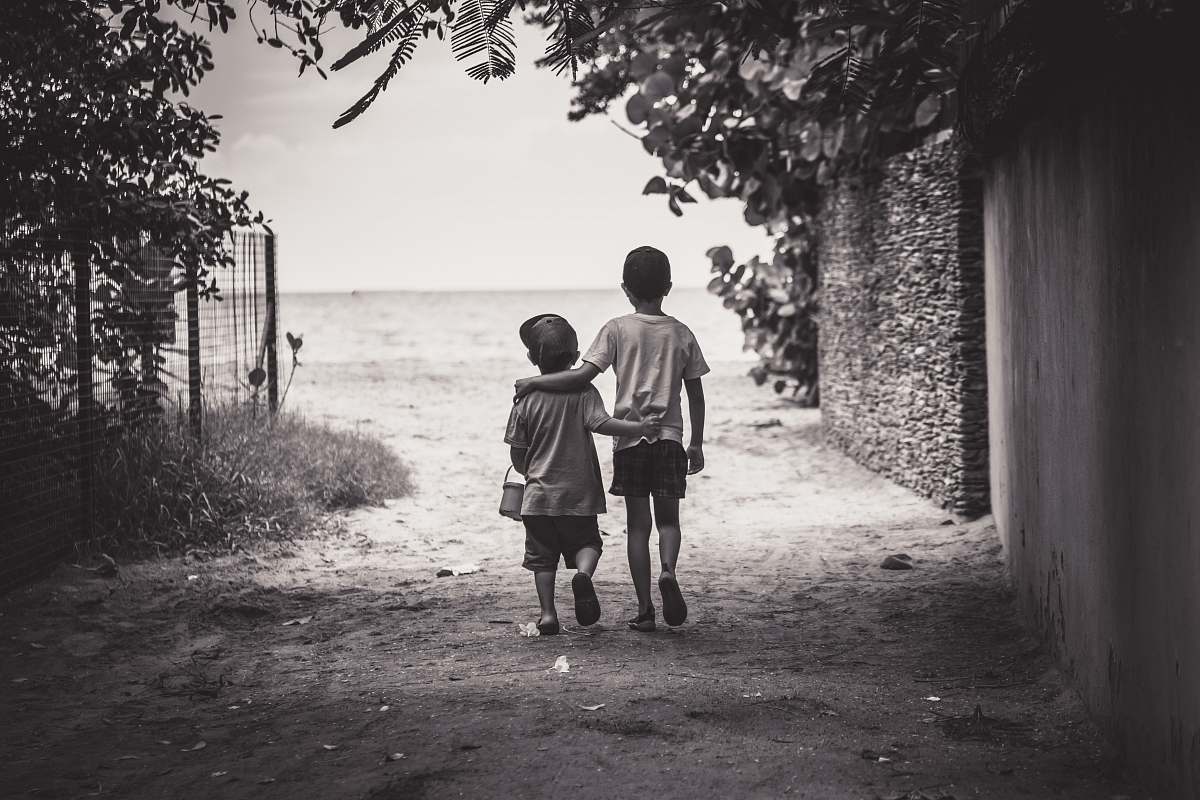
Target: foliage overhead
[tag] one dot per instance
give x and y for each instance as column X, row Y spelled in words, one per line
column 766, row 101
column 833, row 90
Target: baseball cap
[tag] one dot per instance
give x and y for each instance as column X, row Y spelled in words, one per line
column 535, row 327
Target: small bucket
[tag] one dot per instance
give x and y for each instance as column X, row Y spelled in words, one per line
column 510, row 500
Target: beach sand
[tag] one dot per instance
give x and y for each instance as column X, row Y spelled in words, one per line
column 804, row 670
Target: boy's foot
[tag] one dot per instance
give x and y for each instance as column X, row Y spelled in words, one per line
column 674, row 609
column 587, row 605
column 548, row 626
column 643, row 622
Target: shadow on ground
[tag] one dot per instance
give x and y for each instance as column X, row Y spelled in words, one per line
column 806, row 674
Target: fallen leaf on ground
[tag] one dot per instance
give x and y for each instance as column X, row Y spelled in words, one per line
column 330, row 746
column 193, row 577
column 461, row 569
column 529, row 629
column 384, row 708
column 197, row 746
column 219, row 774
column 299, row 620
column 596, row 707
column 933, row 699
column 561, row 665
column 394, row 757
column 37, row 646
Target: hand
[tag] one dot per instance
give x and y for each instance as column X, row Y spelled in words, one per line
column 522, row 387
column 695, row 455
column 651, row 427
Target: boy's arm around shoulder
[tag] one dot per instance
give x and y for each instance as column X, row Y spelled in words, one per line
column 695, row 451
column 569, row 380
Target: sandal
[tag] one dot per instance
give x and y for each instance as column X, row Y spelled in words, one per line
column 587, row 605
column 643, row 623
column 674, row 609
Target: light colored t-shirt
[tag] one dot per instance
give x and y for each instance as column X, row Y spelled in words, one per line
column 651, row 356
column 562, row 477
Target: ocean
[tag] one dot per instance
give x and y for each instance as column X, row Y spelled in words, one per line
column 464, row 327
column 431, row 373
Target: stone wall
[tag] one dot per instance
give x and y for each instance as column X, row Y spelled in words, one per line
column 903, row 366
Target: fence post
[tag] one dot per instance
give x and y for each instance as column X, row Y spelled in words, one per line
column 272, row 332
column 81, row 264
column 193, row 352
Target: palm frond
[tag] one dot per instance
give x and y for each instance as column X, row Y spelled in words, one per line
column 395, row 28
column 926, row 25
column 409, row 32
column 472, row 36
column 569, row 41
column 846, row 79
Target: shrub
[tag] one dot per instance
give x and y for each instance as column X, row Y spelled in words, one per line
column 250, row 477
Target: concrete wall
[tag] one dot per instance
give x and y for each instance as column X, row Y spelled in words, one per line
column 903, row 371
column 1093, row 339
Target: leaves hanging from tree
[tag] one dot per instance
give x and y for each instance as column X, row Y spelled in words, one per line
column 480, row 30
column 405, row 29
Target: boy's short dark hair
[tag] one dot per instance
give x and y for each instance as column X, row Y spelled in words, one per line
column 647, row 273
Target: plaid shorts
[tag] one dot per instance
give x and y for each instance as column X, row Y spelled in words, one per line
column 658, row 469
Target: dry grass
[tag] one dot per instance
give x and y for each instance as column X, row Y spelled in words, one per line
column 249, row 478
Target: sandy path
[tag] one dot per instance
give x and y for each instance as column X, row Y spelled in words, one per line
column 804, row 669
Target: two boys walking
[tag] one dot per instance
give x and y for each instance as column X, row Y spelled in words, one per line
column 655, row 358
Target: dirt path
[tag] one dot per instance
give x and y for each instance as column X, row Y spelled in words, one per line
column 804, row 669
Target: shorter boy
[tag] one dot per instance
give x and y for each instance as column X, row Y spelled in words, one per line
column 550, row 440
column 655, row 358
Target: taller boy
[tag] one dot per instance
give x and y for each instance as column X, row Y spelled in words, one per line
column 653, row 356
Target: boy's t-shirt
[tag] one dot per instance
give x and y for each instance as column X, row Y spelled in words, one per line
column 562, row 477
column 651, row 356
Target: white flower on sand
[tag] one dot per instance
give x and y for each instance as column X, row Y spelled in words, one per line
column 529, row 629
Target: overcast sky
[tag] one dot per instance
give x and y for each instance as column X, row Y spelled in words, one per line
column 445, row 183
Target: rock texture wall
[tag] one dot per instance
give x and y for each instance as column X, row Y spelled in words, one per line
column 903, row 366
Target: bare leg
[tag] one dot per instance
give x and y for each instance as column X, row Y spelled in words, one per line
column 586, row 560
column 666, row 515
column 587, row 605
column 638, row 548
column 544, row 581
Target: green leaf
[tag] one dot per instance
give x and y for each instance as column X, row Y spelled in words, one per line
column 928, row 110
column 637, row 108
column 656, row 185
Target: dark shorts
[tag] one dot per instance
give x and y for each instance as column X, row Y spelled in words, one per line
column 658, row 469
column 547, row 538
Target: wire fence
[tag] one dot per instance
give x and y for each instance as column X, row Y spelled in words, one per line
column 86, row 353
